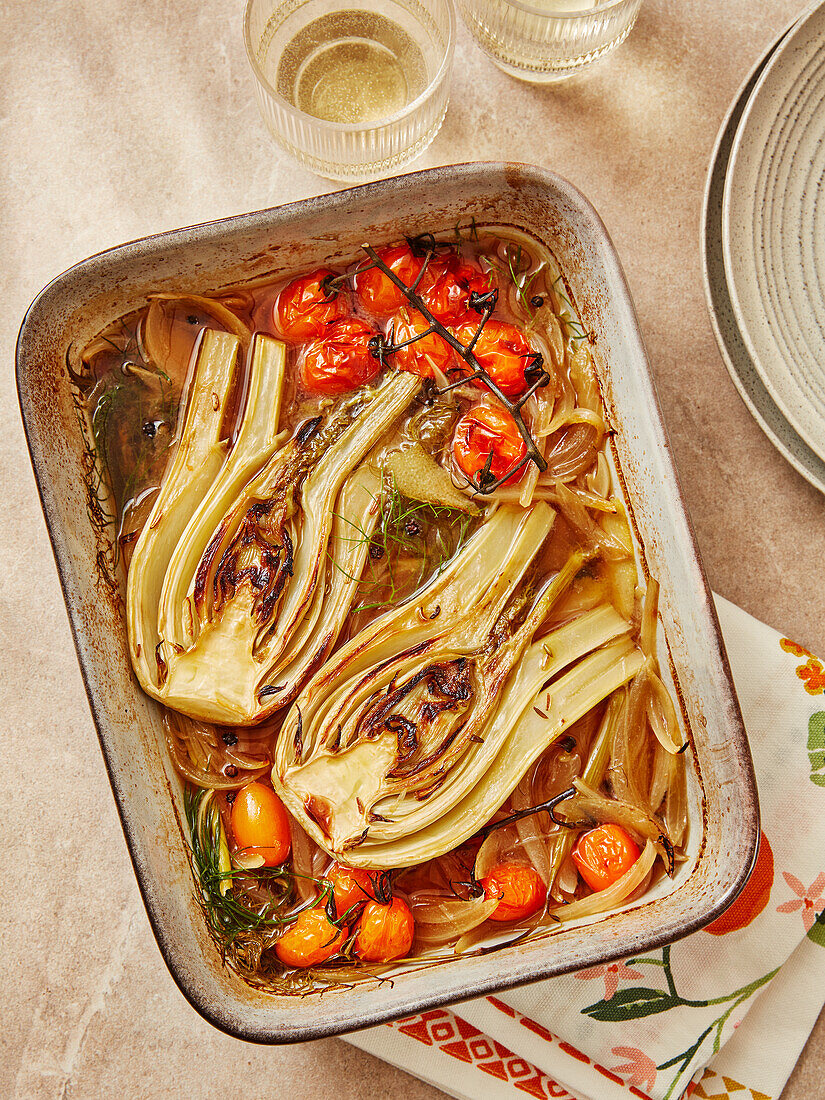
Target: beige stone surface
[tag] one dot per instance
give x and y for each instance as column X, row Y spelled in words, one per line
column 121, row 118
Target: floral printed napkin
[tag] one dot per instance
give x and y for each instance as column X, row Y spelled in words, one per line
column 722, row 1013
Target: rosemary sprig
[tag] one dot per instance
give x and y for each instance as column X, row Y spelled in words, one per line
column 258, row 902
column 485, row 483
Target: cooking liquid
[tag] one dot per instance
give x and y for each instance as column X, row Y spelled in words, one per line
column 351, row 67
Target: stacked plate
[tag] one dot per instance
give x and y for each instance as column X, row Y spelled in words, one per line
column 764, row 243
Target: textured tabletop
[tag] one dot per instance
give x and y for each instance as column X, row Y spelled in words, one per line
column 122, row 118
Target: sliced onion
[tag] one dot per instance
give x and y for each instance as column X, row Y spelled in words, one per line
column 159, row 321
column 659, row 778
column 488, row 854
column 568, row 878
column 635, row 743
column 563, row 408
column 532, row 841
column 540, row 411
column 579, row 518
column 588, row 416
column 599, row 482
column 193, row 748
column 249, row 859
column 676, row 815
column 603, row 900
column 303, row 864
column 250, row 763
column 439, row 920
column 661, row 712
column 597, row 807
column 205, row 779
column 650, row 611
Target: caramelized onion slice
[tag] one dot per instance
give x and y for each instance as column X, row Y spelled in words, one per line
column 165, row 334
column 440, row 920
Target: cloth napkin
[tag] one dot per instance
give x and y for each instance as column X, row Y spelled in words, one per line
column 722, row 1013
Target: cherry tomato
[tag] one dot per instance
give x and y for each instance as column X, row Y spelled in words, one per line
column 351, row 885
column 304, row 309
column 385, row 931
column 519, row 889
column 311, row 940
column 341, row 360
column 260, row 822
column 604, row 854
column 426, row 352
column 503, row 351
column 450, row 282
column 486, row 430
column 378, row 294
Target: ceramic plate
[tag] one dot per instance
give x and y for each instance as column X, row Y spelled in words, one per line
column 773, row 228
column 734, row 352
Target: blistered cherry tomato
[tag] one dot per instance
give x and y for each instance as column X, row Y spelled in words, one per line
column 340, row 360
column 351, row 885
column 486, row 430
column 311, row 940
column 260, row 823
column 503, row 351
column 518, row 888
column 450, row 282
column 424, row 353
column 304, row 309
column 604, row 854
column 376, row 292
column 385, row 931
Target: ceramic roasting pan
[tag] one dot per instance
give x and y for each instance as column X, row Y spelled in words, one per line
column 81, row 302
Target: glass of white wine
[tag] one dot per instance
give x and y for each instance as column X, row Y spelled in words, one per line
column 353, row 89
column 543, row 41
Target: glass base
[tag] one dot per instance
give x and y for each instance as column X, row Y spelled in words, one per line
column 359, row 173
column 545, row 60
column 545, row 76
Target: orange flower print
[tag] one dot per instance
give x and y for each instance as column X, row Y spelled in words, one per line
column 809, row 899
column 811, row 673
column 612, row 973
column 813, row 676
column 639, row 1071
column 754, row 897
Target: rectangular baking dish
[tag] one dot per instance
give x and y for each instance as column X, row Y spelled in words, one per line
column 82, row 301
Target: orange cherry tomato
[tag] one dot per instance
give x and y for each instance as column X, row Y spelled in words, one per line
column 426, row 352
column 340, row 360
column 486, row 430
column 450, row 282
column 351, row 885
column 604, row 854
column 378, row 294
column 304, row 309
column 385, row 931
column 311, row 940
column 260, row 822
column 519, row 888
column 503, row 351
